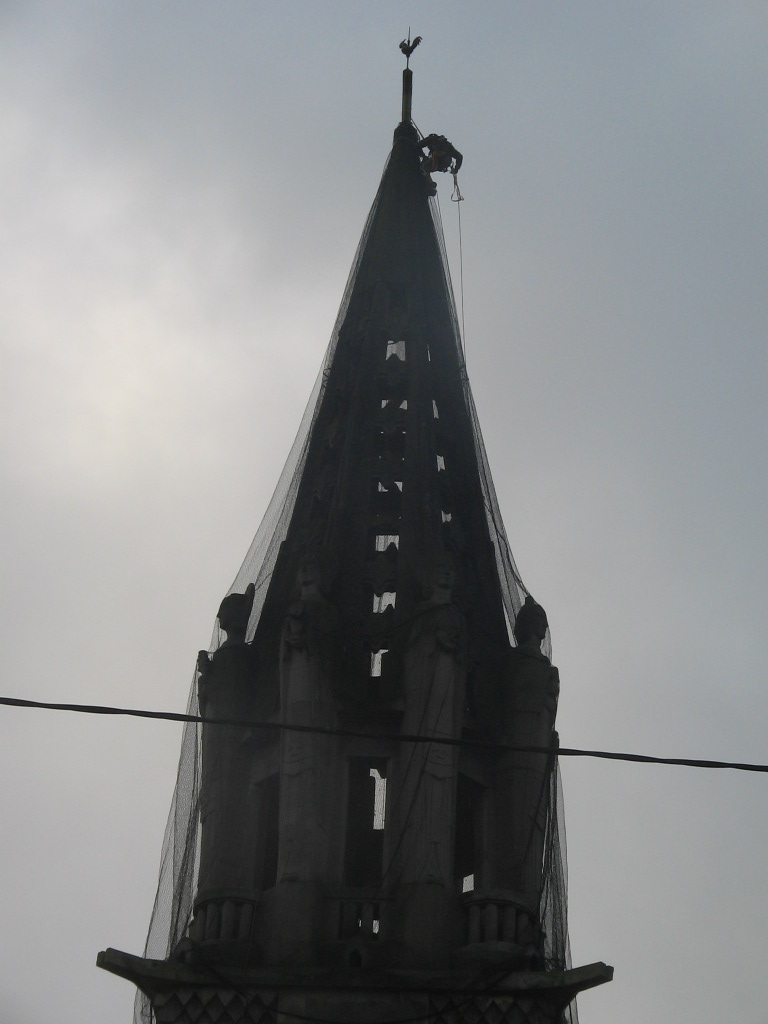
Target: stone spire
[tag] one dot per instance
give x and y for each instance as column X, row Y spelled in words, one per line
column 391, row 484
column 380, row 840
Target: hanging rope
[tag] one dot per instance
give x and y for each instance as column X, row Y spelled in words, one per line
column 458, row 198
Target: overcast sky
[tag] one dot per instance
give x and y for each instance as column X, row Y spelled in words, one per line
column 182, row 188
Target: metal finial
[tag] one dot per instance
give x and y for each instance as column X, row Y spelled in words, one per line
column 408, row 47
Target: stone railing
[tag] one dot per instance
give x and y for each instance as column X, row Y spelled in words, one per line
column 357, row 912
column 224, row 916
column 496, row 917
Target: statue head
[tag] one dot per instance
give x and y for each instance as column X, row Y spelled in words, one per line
column 309, row 576
column 531, row 624
column 441, row 578
column 234, row 613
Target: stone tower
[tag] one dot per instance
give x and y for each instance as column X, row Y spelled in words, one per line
column 368, row 835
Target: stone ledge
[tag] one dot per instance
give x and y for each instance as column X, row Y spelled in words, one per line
column 160, row 975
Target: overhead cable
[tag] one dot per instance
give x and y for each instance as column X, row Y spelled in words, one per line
column 173, row 716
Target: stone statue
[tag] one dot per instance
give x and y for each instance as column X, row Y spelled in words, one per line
column 311, row 620
column 531, row 627
column 310, row 633
column 226, row 689
column 434, row 685
column 527, row 718
column 419, row 847
column 531, row 674
column 234, row 613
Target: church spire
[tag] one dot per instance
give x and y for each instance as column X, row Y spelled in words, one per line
column 392, row 481
column 367, row 820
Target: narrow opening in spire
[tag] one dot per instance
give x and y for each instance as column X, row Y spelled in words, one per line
column 386, row 600
column 377, row 658
column 379, row 798
column 383, row 540
column 396, row 349
column 469, row 832
column 366, row 809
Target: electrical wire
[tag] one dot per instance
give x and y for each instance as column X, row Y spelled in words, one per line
column 172, row 716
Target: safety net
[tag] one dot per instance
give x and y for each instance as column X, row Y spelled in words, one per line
column 395, row 356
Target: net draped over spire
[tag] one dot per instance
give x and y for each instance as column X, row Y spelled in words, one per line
column 387, row 477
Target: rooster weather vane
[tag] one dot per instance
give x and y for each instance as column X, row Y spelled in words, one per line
column 440, row 155
column 408, row 47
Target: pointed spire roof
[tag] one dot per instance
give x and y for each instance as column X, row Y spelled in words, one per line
column 395, row 478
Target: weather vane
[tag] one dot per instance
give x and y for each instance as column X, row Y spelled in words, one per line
column 408, row 47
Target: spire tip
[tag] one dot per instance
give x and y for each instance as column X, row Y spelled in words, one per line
column 407, row 47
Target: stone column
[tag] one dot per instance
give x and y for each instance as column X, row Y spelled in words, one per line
column 418, row 858
column 226, row 812
column 231, row 822
column 307, row 768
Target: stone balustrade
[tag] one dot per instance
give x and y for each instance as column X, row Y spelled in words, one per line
column 223, row 917
column 358, row 912
column 496, row 917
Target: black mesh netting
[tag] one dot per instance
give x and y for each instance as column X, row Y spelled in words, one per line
column 173, row 907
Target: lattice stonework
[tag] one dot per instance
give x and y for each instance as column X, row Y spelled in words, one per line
column 481, row 1010
column 215, row 1006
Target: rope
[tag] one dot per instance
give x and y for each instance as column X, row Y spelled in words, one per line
column 458, row 198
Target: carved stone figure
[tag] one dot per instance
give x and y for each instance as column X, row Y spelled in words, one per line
column 531, row 627
column 434, row 684
column 309, row 638
column 226, row 685
column 234, row 613
column 311, row 621
column 529, row 705
column 419, row 846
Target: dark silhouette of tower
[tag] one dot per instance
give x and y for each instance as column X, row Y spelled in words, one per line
column 366, row 826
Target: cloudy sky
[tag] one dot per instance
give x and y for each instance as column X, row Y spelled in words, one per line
column 182, row 188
